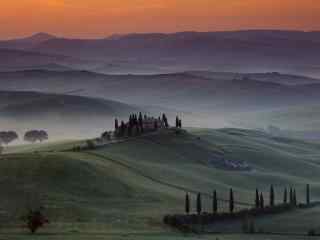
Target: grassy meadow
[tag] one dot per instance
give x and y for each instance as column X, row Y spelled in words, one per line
column 123, row 190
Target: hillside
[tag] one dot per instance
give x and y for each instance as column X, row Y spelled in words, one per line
column 128, row 187
column 274, row 77
column 27, row 104
column 63, row 116
column 16, row 60
column 300, row 120
column 42, row 67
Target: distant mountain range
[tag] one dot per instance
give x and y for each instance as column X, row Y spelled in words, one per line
column 240, row 51
column 28, row 42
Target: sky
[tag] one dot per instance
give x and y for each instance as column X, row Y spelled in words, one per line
column 101, row 18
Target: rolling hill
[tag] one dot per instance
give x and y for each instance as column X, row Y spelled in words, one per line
column 298, row 121
column 27, row 42
column 274, row 77
column 183, row 91
column 14, row 60
column 295, row 52
column 63, row 116
column 204, row 99
column 126, row 188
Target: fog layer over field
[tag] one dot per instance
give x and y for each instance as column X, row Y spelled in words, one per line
column 202, row 99
column 251, row 79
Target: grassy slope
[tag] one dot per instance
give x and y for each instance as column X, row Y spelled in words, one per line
column 53, row 146
column 298, row 118
column 128, row 187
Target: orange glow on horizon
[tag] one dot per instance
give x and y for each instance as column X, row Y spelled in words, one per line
column 100, row 18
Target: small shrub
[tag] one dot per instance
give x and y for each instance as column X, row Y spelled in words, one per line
column 311, row 232
column 90, row 144
column 35, row 219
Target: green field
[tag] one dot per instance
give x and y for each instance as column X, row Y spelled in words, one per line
column 123, row 190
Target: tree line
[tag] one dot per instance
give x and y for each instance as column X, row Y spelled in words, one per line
column 7, row 137
column 289, row 198
column 138, row 124
column 192, row 219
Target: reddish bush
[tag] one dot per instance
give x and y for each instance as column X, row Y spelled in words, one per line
column 35, row 219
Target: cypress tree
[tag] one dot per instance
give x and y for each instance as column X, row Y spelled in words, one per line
column 187, row 204
column 308, row 195
column 116, row 124
column 122, row 128
column 199, row 204
column 231, row 201
column 215, row 202
column 180, row 123
column 285, row 196
column 136, row 119
column 140, row 117
column 257, row 200
column 165, row 120
column 271, row 196
column 291, row 196
column 261, row 201
column 177, row 122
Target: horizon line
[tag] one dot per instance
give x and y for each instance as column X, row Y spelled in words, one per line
column 53, row 35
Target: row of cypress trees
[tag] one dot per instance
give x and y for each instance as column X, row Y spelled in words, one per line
column 214, row 202
column 291, row 199
column 259, row 200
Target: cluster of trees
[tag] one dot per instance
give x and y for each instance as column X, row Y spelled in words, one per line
column 214, row 203
column 107, row 135
column 139, row 124
column 178, row 122
column 36, row 135
column 288, row 199
column 8, row 137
